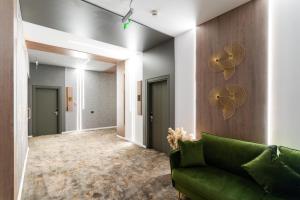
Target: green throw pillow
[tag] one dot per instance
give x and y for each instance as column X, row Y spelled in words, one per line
column 272, row 174
column 191, row 153
column 291, row 157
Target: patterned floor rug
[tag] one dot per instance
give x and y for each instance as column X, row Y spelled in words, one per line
column 95, row 165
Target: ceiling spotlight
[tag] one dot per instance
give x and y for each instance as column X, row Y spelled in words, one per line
column 86, row 61
column 154, row 12
column 36, row 64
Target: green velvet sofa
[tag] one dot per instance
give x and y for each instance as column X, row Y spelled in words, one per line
column 222, row 178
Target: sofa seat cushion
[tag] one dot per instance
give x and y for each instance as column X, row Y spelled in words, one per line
column 215, row 184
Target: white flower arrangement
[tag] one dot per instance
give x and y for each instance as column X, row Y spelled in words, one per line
column 177, row 134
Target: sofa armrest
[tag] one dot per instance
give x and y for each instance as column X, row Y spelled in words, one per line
column 175, row 159
column 174, row 162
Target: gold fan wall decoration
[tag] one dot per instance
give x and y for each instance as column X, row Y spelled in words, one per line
column 228, row 99
column 227, row 60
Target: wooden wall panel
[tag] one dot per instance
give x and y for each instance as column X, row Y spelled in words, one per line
column 69, row 99
column 7, row 17
column 139, row 98
column 121, row 99
column 69, row 52
column 246, row 25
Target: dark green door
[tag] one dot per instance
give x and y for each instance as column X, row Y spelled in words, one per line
column 159, row 116
column 46, row 111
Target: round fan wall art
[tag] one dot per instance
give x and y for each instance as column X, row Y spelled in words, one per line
column 228, row 99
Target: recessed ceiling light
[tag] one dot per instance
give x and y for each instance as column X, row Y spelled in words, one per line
column 154, row 12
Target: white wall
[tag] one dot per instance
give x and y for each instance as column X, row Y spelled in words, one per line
column 133, row 122
column 21, row 72
column 284, row 73
column 185, row 66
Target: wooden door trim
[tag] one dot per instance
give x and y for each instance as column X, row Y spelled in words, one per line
column 68, row 52
column 120, row 76
column 60, row 106
column 150, row 81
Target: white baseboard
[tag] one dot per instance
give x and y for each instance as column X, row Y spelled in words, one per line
column 90, row 129
column 23, row 176
column 133, row 142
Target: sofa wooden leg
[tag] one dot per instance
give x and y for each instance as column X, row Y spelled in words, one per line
column 179, row 195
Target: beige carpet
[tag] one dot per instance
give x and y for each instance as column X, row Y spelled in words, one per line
column 95, row 165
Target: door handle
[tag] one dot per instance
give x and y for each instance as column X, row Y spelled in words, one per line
column 56, row 113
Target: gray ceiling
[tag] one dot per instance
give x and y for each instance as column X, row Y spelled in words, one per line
column 87, row 20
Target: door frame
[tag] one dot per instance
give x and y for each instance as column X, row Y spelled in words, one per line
column 60, row 106
column 147, row 135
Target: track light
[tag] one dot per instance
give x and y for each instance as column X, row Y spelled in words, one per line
column 126, row 18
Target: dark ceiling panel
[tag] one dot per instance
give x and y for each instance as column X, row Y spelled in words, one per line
column 87, row 20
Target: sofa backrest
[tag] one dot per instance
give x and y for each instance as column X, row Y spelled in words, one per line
column 229, row 154
column 291, row 157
